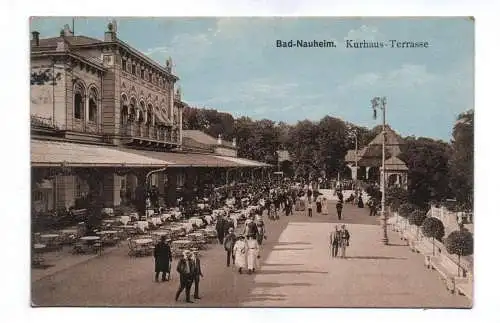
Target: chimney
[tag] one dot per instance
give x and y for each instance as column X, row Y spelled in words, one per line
column 36, row 38
column 67, row 31
column 62, row 43
column 234, row 142
column 110, row 35
column 219, row 140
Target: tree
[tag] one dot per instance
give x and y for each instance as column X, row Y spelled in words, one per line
column 406, row 209
column 460, row 243
column 395, row 196
column 417, row 217
column 427, row 162
column 461, row 163
column 433, row 228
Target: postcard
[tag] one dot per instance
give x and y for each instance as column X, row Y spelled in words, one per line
column 252, row 162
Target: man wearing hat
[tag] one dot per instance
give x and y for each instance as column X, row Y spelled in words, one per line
column 185, row 268
column 163, row 256
column 229, row 241
column 197, row 272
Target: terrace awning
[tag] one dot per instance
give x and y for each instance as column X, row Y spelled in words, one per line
column 46, row 153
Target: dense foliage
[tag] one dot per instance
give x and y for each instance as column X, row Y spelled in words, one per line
column 406, row 209
column 417, row 217
column 460, row 243
column 433, row 228
column 436, row 170
column 461, row 163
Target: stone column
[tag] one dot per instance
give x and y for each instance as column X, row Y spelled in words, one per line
column 111, row 190
column 354, row 172
column 65, row 191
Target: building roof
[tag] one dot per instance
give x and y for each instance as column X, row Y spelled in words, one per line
column 243, row 161
column 181, row 159
column 73, row 41
column 371, row 154
column 203, row 138
column 391, row 138
column 395, row 164
column 45, row 153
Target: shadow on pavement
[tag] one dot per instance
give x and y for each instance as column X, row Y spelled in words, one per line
column 276, row 285
column 288, row 249
column 266, row 297
column 274, row 272
column 292, row 243
column 377, row 257
column 397, row 244
column 265, row 265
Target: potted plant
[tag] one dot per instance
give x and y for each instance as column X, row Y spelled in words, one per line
column 433, row 228
column 460, row 243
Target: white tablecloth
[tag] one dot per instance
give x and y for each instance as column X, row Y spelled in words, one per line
column 143, row 241
column 142, row 225
column 156, row 220
column 125, row 219
column 90, row 238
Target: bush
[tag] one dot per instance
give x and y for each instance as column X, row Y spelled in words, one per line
column 417, row 217
column 460, row 243
column 406, row 209
column 433, row 228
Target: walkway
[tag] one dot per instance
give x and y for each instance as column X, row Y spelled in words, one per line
column 299, row 271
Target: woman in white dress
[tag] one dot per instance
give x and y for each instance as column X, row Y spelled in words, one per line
column 324, row 206
column 239, row 253
column 252, row 254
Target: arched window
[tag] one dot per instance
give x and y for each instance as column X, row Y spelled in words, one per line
column 79, row 103
column 93, row 99
column 133, row 111
column 124, row 110
column 149, row 118
column 141, row 112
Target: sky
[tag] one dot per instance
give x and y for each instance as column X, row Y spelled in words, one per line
column 233, row 65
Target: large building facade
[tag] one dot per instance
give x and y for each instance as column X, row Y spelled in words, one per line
column 105, row 119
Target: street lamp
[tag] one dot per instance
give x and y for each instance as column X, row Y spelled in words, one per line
column 380, row 103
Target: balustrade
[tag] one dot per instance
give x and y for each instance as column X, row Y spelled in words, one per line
column 150, row 132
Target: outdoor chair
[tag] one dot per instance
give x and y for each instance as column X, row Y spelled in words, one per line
column 136, row 250
column 98, row 247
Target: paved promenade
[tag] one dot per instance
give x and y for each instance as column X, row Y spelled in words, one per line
column 296, row 271
column 300, row 272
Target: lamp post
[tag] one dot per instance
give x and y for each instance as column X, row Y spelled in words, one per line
column 380, row 103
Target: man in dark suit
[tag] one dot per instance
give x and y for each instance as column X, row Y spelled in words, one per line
column 219, row 227
column 197, row 273
column 185, row 268
column 229, row 241
column 163, row 256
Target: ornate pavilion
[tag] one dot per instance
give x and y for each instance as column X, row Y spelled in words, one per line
column 369, row 160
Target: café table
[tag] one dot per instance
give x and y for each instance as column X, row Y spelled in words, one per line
column 69, row 231
column 107, row 232
column 39, row 247
column 143, row 241
column 49, row 236
column 90, row 240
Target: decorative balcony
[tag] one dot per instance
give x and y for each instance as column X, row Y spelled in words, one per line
column 149, row 134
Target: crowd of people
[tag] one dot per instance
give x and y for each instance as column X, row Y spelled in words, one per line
column 243, row 245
